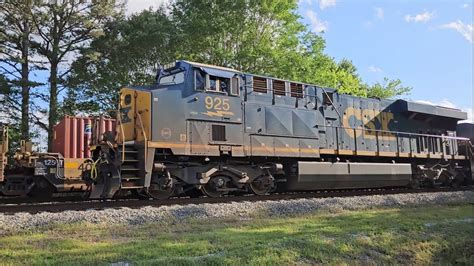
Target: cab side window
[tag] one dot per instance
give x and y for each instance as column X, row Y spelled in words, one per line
column 199, row 80
column 218, row 84
column 210, row 83
column 235, row 86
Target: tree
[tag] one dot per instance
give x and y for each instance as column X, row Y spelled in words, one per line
column 62, row 29
column 146, row 39
column 387, row 89
column 16, row 29
column 252, row 36
column 261, row 37
column 14, row 129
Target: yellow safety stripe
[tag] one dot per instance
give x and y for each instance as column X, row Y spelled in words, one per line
column 155, row 144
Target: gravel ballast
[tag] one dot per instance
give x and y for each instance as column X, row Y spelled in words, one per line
column 239, row 210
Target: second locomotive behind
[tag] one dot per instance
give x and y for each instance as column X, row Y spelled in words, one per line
column 215, row 130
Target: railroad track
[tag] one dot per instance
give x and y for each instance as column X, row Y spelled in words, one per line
column 60, row 206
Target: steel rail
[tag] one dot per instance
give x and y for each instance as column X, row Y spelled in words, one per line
column 55, row 207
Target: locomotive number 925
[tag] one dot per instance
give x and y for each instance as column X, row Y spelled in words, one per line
column 217, row 103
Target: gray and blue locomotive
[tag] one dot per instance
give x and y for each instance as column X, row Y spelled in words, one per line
column 217, row 131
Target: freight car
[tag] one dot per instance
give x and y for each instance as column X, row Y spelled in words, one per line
column 215, row 130
column 40, row 174
column 466, row 130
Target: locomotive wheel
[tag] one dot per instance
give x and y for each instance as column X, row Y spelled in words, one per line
column 458, row 180
column 156, row 192
column 414, row 184
column 214, row 188
column 262, row 185
column 161, row 187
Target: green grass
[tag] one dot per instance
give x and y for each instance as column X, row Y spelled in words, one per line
column 425, row 235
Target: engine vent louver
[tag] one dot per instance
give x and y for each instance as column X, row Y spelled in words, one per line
column 259, row 84
column 218, row 133
column 279, row 87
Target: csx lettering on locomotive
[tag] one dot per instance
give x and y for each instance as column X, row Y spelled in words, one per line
column 370, row 121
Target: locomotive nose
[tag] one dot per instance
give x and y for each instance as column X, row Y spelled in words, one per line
column 134, row 114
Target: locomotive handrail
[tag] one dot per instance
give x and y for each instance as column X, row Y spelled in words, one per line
column 399, row 132
column 431, row 146
column 397, row 135
column 366, row 129
column 144, row 135
column 119, row 118
column 332, row 103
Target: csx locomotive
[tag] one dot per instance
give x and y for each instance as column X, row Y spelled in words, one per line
column 214, row 130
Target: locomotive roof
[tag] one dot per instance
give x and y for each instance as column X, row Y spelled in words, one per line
column 195, row 64
column 212, row 66
column 402, row 105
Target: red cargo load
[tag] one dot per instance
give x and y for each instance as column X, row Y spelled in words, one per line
column 73, row 135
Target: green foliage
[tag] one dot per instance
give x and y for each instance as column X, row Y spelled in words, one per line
column 260, row 37
column 387, row 89
column 127, row 54
column 420, row 235
column 63, row 28
column 16, row 64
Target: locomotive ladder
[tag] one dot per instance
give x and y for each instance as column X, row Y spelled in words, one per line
column 130, row 172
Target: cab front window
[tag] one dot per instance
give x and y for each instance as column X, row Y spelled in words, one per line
column 172, row 79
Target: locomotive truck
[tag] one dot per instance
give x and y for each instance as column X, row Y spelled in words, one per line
column 214, row 130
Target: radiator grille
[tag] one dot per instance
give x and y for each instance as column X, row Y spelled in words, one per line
column 279, row 87
column 259, row 84
column 296, row 90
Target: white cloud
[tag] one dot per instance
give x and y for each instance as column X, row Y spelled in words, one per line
column 422, row 17
column 447, row 103
column 326, row 3
column 305, row 2
column 379, row 12
column 134, row 6
column 375, row 69
column 317, row 25
column 466, row 30
column 465, row 6
column 443, row 103
column 470, row 115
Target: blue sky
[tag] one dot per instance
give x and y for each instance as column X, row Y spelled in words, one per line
column 426, row 44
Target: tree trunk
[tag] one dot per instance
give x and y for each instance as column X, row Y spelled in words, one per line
column 25, row 88
column 53, row 103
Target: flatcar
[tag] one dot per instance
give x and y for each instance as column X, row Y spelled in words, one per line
column 41, row 174
column 214, row 130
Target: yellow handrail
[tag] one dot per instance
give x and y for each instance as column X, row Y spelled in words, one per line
column 119, row 121
column 144, row 135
